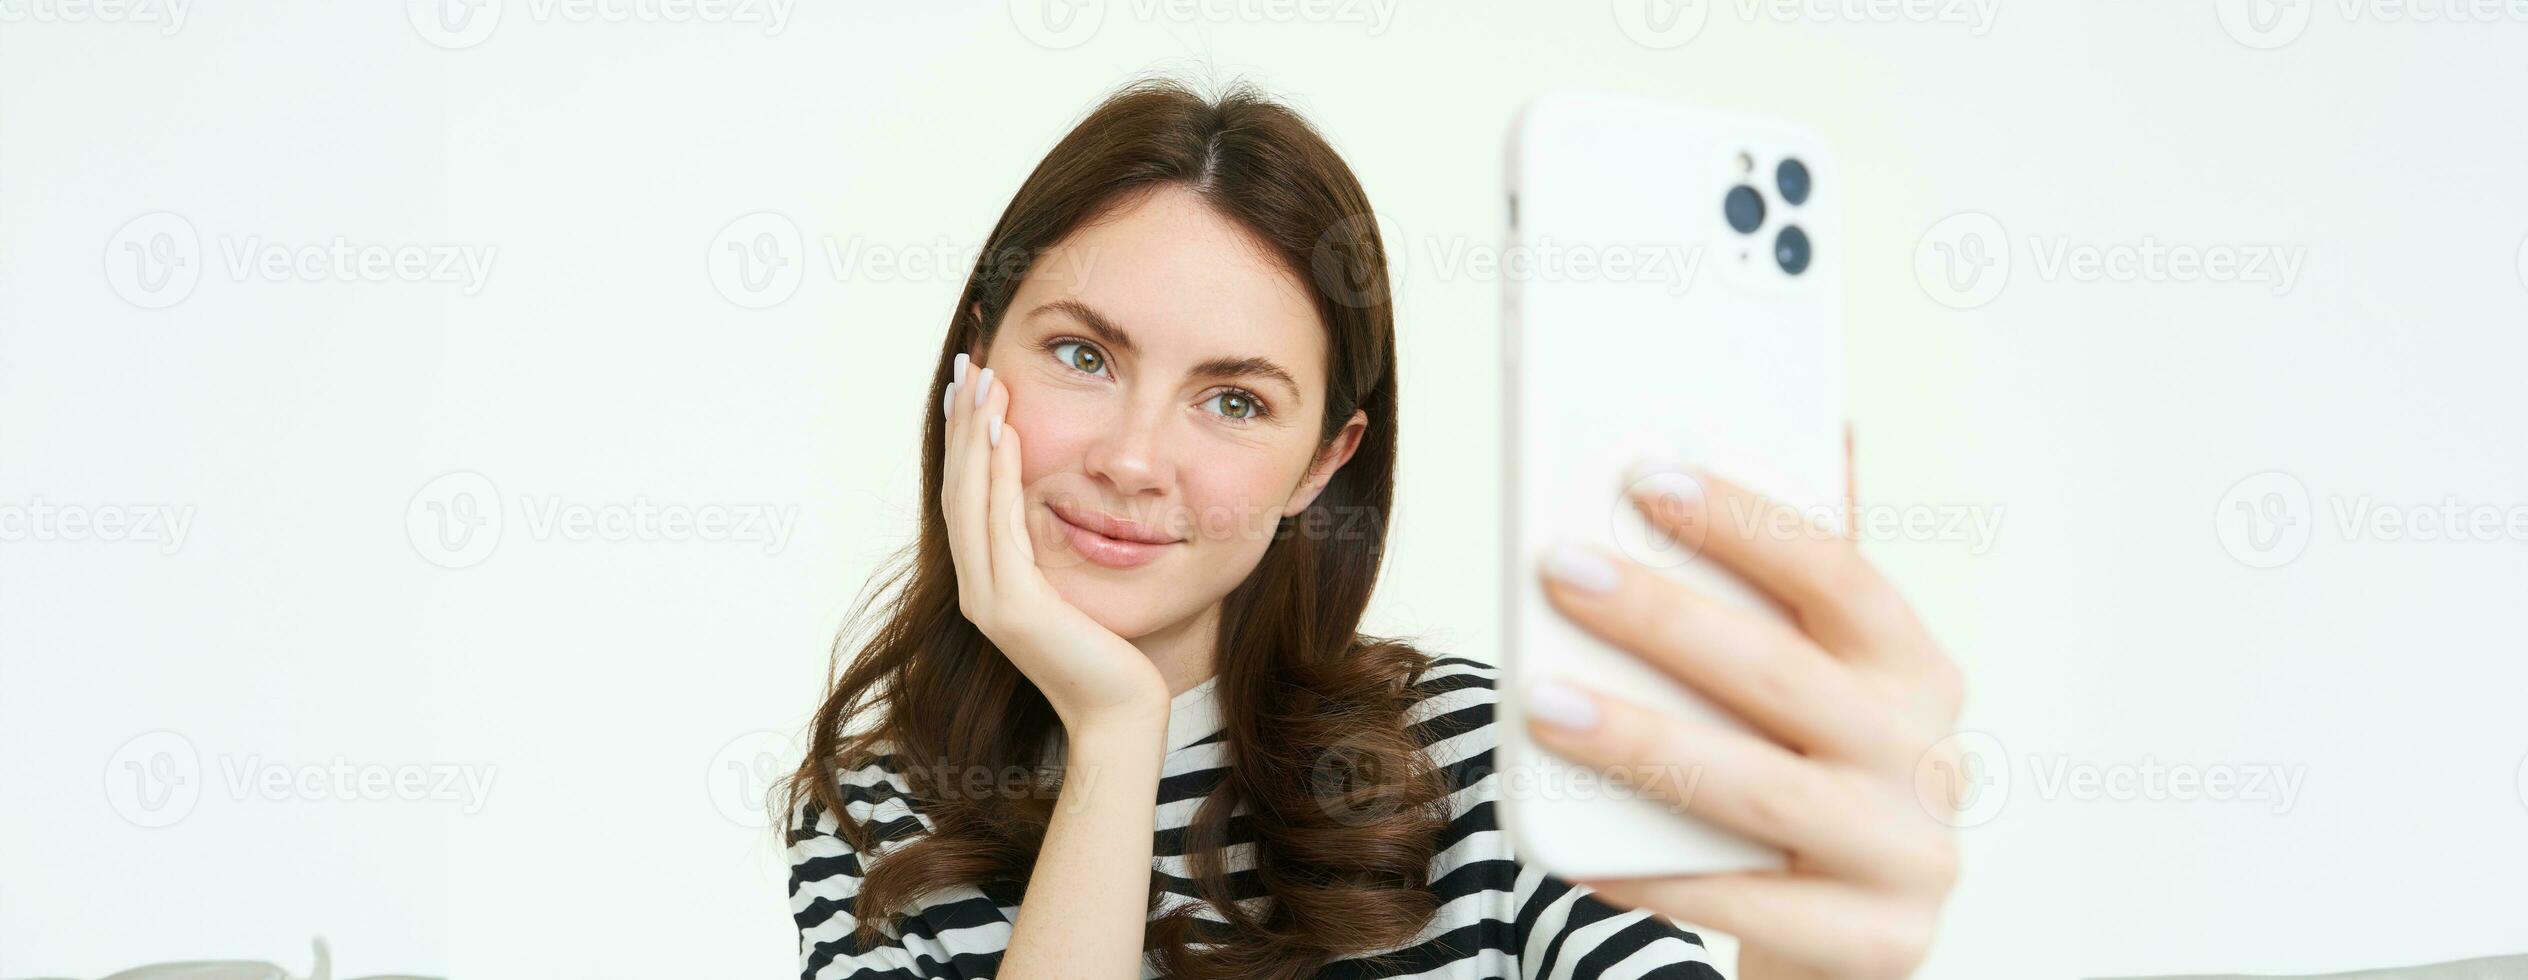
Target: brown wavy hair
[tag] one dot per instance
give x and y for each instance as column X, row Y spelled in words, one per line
column 1345, row 810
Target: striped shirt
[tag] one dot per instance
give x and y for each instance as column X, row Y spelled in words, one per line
column 1500, row 918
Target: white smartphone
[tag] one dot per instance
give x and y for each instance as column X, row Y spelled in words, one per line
column 1681, row 300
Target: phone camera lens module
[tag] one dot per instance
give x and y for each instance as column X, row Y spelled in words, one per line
column 1792, row 177
column 1790, row 248
column 1744, row 208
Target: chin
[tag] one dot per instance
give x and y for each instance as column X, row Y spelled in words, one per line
column 1127, row 609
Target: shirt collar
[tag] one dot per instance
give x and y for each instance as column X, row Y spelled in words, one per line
column 1194, row 715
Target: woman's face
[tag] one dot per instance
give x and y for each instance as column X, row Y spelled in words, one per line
column 1166, row 376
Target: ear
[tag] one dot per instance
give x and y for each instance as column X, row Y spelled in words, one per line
column 1332, row 459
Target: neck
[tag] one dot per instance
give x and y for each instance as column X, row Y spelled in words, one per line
column 1184, row 651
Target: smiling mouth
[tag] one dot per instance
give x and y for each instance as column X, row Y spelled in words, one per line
column 1108, row 542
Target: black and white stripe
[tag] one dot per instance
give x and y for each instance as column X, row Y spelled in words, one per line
column 1499, row 918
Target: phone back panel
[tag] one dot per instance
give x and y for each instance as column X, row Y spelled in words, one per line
column 1644, row 325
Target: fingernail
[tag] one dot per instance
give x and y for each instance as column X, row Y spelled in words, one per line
column 982, row 387
column 1561, row 705
column 1664, row 476
column 996, row 432
column 959, row 374
column 948, row 401
column 1580, row 568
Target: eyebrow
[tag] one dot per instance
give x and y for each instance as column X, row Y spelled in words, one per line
column 1116, row 337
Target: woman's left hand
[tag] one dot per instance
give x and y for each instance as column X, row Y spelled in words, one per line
column 1854, row 704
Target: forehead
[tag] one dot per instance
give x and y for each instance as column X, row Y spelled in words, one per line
column 1188, row 283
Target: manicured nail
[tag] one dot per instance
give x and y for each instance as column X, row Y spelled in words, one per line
column 959, row 374
column 996, row 432
column 948, row 401
column 1664, row 476
column 1580, row 568
column 1561, row 705
column 983, row 387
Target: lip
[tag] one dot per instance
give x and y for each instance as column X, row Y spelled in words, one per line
column 1110, row 542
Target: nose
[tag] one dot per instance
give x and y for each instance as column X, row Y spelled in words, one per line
column 1130, row 454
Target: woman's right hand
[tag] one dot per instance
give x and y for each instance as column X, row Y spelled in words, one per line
column 1090, row 675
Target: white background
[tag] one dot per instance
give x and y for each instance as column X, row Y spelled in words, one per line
column 622, row 696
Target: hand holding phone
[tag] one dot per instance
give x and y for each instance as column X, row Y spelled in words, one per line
column 1705, row 629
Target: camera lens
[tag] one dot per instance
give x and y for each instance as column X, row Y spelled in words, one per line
column 1792, row 177
column 1744, row 208
column 1790, row 248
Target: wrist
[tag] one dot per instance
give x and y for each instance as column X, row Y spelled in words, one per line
column 1125, row 725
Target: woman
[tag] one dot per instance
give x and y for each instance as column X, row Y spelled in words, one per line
column 1116, row 701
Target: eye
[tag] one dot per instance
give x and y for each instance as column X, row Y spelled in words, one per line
column 1236, row 405
column 1080, row 355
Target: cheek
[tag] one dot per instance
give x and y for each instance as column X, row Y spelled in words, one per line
column 1237, row 496
column 1055, row 435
